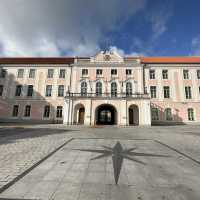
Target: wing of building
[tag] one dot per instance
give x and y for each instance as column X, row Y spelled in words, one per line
column 105, row 89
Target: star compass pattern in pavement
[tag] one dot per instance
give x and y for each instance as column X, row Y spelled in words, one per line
column 118, row 154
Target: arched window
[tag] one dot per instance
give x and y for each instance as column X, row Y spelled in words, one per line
column 113, row 89
column 83, row 89
column 168, row 114
column 128, row 89
column 98, row 88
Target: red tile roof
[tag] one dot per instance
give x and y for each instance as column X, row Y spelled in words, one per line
column 35, row 60
column 169, row 60
column 70, row 60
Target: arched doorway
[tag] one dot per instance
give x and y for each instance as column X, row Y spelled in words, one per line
column 79, row 114
column 106, row 114
column 133, row 112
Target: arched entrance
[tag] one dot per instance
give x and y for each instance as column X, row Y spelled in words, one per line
column 79, row 114
column 133, row 113
column 106, row 114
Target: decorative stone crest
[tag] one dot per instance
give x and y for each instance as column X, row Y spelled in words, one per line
column 107, row 56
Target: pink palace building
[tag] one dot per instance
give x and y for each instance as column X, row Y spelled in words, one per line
column 106, row 89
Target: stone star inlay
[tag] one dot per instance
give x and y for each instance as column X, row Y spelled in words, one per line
column 118, row 154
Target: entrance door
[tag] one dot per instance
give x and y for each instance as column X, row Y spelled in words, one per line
column 106, row 115
column 131, row 119
column 133, row 115
column 81, row 116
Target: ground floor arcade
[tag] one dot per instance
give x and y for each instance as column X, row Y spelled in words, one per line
column 107, row 112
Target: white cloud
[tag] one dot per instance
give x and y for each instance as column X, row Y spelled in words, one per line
column 122, row 52
column 49, row 27
column 118, row 50
column 159, row 18
column 158, row 25
column 195, row 46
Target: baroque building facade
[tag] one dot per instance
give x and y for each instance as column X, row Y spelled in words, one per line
column 106, row 89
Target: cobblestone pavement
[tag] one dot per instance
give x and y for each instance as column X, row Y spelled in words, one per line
column 23, row 146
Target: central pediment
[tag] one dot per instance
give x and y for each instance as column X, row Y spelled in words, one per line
column 108, row 57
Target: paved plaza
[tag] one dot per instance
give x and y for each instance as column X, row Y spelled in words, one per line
column 43, row 162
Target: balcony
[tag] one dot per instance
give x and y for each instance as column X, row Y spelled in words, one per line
column 108, row 95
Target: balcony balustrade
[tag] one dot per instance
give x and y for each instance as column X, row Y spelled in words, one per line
column 107, row 95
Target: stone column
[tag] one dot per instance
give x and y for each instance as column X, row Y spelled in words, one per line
column 122, row 113
column 87, row 112
column 145, row 113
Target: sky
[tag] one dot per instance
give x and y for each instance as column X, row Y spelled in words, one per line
column 53, row 28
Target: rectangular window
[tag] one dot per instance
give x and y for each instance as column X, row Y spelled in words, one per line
column 3, row 73
column 61, row 90
column 32, row 73
column 185, row 74
column 153, row 91
column 128, row 71
column 168, row 114
column 50, row 73
column 27, row 112
column 59, row 112
column 113, row 72
column 190, row 114
column 15, row 110
column 154, row 114
column 188, row 92
column 62, row 73
column 20, row 73
column 99, row 72
column 166, row 90
column 198, row 74
column 84, row 72
column 165, row 74
column 30, row 91
column 48, row 90
column 1, row 90
column 18, row 90
column 152, row 74
column 46, row 111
